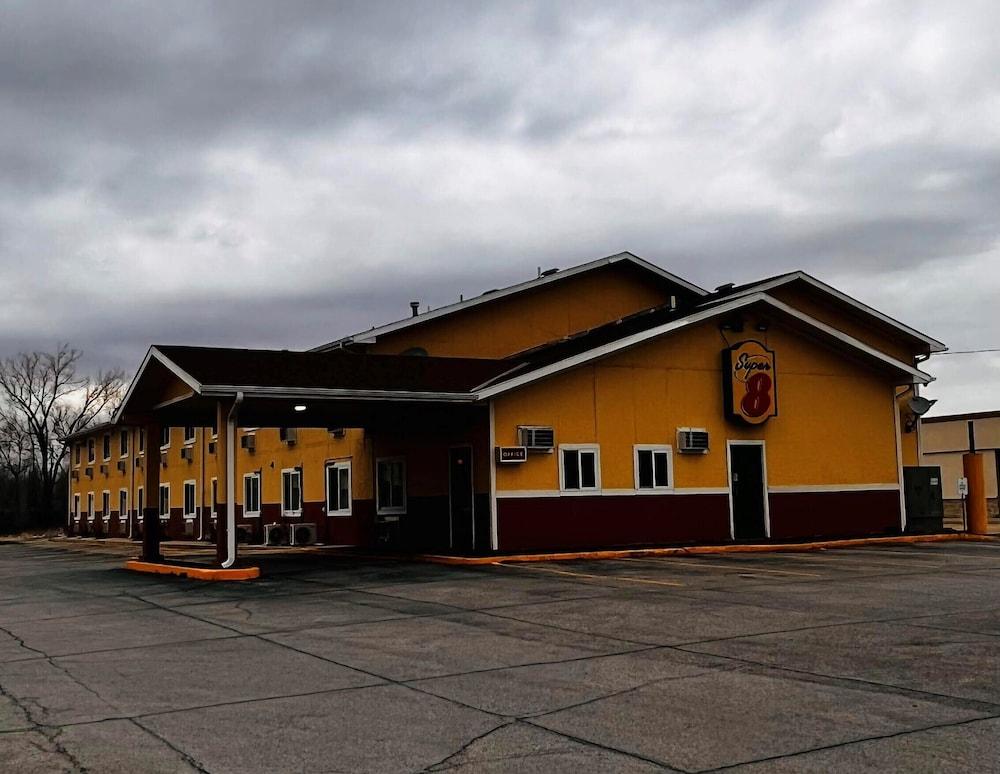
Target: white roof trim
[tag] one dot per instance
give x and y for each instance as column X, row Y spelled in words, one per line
column 369, row 336
column 173, row 367
column 784, row 279
column 638, row 338
column 332, row 393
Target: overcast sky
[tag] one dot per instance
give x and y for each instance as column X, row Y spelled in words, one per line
column 279, row 174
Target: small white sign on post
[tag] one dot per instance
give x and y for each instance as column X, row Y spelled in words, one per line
column 963, row 486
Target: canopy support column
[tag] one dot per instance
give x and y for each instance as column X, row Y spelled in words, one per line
column 151, row 487
column 225, row 532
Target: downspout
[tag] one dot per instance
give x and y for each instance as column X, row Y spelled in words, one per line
column 231, row 482
column 201, row 489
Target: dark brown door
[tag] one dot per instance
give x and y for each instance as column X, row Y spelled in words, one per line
column 747, row 482
column 463, row 538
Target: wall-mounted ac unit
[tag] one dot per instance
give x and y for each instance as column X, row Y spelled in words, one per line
column 163, row 461
column 89, row 472
column 211, row 447
column 245, row 533
column 338, row 432
column 121, row 465
column 209, row 534
column 288, row 435
column 189, row 527
column 303, row 534
column 104, row 469
column 275, row 535
column 248, row 442
column 75, row 475
column 138, row 462
column 187, row 453
column 536, row 438
column 692, row 440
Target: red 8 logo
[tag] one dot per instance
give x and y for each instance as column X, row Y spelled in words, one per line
column 758, row 398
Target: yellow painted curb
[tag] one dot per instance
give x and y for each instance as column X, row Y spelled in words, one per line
column 762, row 548
column 195, row 573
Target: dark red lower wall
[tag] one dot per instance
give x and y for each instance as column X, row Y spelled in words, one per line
column 798, row 515
column 557, row 523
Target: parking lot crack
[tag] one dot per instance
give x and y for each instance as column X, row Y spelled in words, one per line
column 186, row 757
column 441, row 765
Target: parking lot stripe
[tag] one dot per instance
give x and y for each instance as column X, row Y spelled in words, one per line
column 588, row 575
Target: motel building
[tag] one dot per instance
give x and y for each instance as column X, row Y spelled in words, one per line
column 608, row 404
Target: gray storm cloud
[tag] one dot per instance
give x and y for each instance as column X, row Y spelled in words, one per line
column 166, row 167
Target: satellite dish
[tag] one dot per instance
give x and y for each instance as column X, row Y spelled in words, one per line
column 920, row 406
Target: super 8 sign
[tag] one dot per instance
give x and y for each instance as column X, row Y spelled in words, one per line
column 749, row 382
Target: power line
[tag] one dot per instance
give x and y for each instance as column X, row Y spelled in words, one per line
column 967, row 351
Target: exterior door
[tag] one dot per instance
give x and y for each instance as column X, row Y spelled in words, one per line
column 463, row 538
column 746, row 480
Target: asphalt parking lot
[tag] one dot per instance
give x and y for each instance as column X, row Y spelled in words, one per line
column 873, row 659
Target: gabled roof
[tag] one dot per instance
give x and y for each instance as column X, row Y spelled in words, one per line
column 764, row 285
column 370, row 336
column 91, row 430
column 605, row 340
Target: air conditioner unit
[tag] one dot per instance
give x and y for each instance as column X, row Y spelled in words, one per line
column 244, row 533
column 104, row 469
column 75, row 475
column 248, row 442
column 121, row 465
column 89, row 472
column 692, row 440
column 163, row 461
column 338, row 432
column 187, row 453
column 275, row 535
column 189, row 527
column 209, row 534
column 536, row 439
column 138, row 462
column 288, row 435
column 211, row 447
column 303, row 534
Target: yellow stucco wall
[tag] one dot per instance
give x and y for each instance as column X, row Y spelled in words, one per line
column 525, row 320
column 834, row 426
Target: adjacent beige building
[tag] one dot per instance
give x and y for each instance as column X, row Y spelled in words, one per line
column 945, row 439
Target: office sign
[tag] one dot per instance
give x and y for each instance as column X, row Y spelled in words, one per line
column 511, row 454
column 749, row 383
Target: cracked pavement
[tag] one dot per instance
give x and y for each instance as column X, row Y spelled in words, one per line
column 870, row 659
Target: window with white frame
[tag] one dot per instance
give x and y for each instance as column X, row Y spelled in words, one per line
column 291, row 492
column 653, row 467
column 106, row 446
column 338, row 488
column 164, row 501
column 189, row 499
column 91, row 446
column 106, row 505
column 123, row 443
column 391, row 485
column 140, row 503
column 76, row 507
column 188, row 434
column 164, row 437
column 76, row 454
column 122, row 505
column 579, row 467
column 141, row 441
column 251, row 494
column 90, row 506
column 215, row 496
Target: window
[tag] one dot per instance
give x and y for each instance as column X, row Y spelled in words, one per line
column 140, row 502
column 91, row 449
column 215, row 497
column 141, row 441
column 76, row 454
column 338, row 489
column 123, row 443
column 251, row 494
column 122, row 505
column 164, row 437
column 106, row 505
column 215, row 427
column 106, row 446
column 580, row 468
column 189, row 497
column 291, row 492
column 188, row 434
column 653, row 467
column 164, row 501
column 391, row 485
column 90, row 506
column 76, row 507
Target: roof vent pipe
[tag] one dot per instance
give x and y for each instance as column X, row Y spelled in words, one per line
column 415, row 308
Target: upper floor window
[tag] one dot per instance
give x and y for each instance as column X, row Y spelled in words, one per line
column 106, row 446
column 141, row 441
column 91, row 449
column 391, row 485
column 338, row 489
column 76, row 454
column 123, row 443
column 579, row 467
column 188, row 434
column 291, row 492
column 164, row 437
column 653, row 467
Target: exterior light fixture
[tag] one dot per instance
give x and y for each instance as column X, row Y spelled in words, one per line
column 300, row 407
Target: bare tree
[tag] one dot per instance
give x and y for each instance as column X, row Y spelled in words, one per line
column 44, row 399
